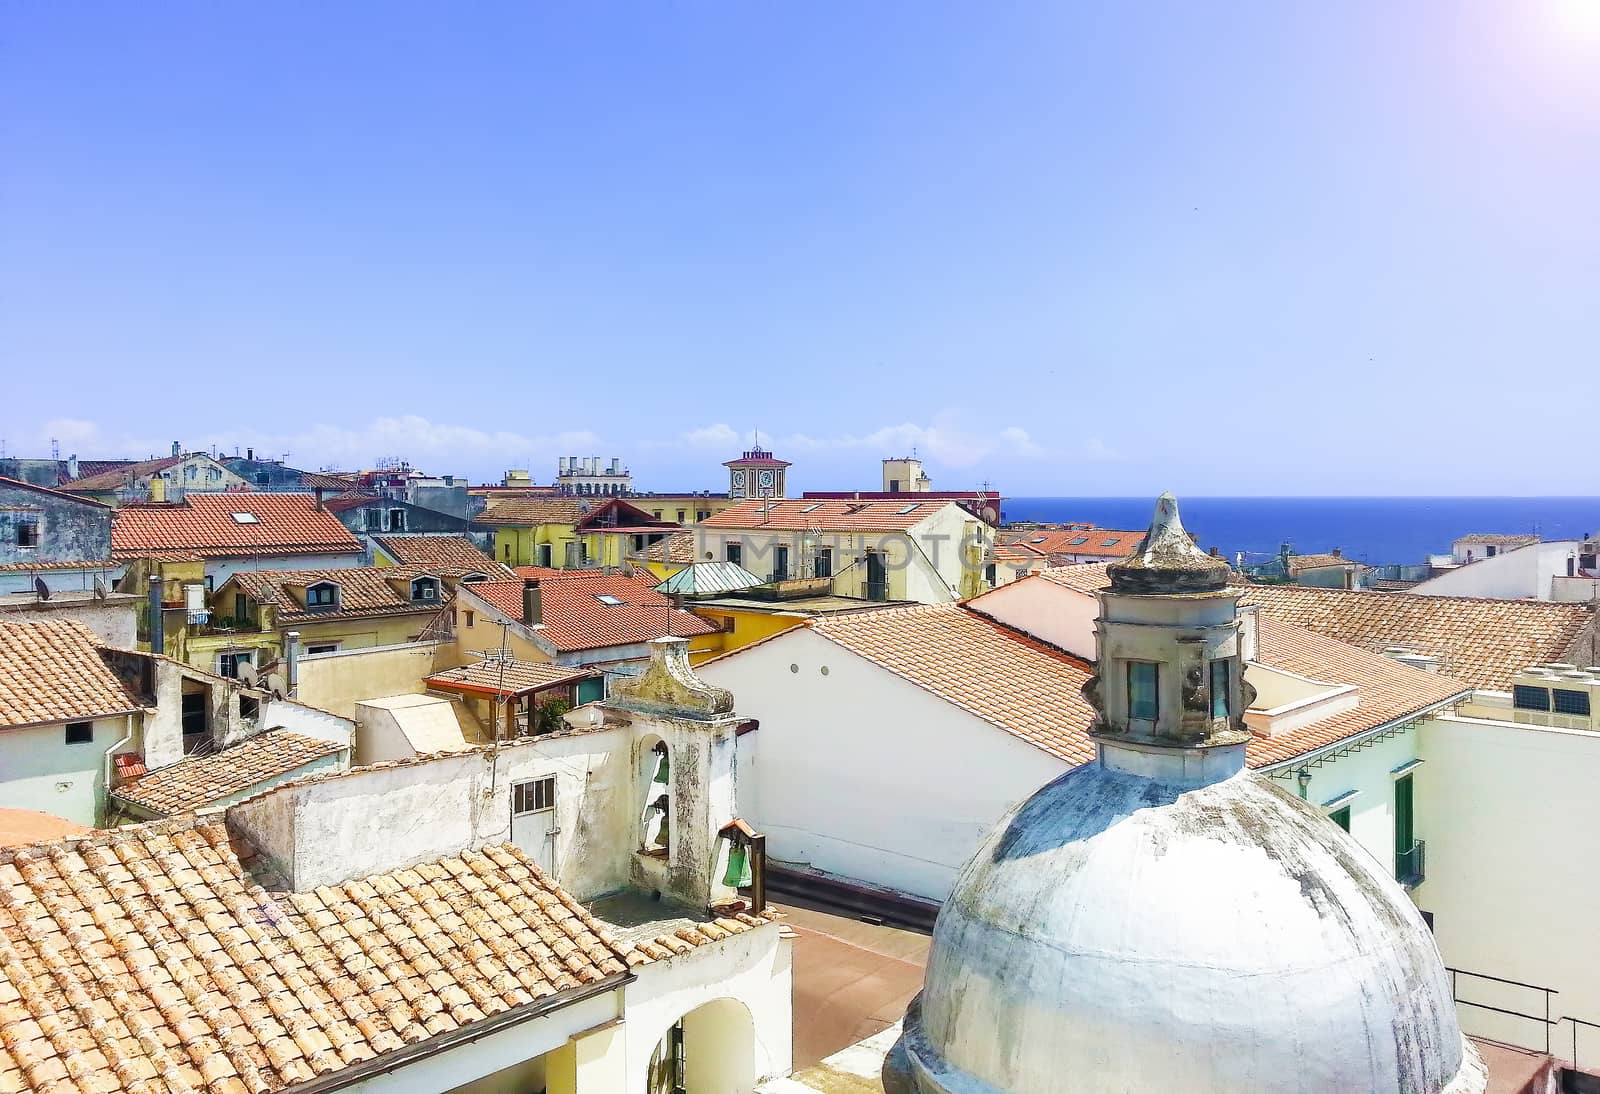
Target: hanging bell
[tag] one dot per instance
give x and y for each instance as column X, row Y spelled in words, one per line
column 664, row 825
column 661, row 768
column 738, row 875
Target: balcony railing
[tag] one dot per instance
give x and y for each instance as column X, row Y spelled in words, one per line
column 1410, row 867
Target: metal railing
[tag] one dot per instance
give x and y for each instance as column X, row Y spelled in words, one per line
column 1543, row 1021
column 1410, row 867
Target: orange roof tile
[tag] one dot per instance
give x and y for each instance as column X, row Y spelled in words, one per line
column 20, row 826
column 530, row 511
column 830, row 515
column 451, row 556
column 1103, row 542
column 203, row 524
column 197, row 781
column 117, row 477
column 576, row 619
column 363, row 591
column 52, row 671
column 170, row 957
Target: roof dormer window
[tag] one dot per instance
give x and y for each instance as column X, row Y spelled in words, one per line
column 324, row 594
column 424, row 588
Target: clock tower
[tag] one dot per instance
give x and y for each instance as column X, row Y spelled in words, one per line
column 756, row 474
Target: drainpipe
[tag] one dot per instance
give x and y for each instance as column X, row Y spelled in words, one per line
column 111, row 753
column 158, row 632
column 291, row 653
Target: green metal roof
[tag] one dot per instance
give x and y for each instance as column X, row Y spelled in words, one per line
column 707, row 579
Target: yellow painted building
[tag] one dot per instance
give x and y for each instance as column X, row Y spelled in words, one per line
column 565, row 533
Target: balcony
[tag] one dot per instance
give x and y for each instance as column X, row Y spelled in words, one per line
column 225, row 624
column 1410, row 867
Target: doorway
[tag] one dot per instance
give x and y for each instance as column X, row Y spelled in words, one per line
column 533, row 820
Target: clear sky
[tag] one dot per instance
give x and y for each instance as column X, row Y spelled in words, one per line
column 1245, row 248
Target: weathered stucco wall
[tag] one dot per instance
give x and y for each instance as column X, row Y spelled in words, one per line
column 337, row 681
column 39, row 770
column 68, row 530
column 114, row 620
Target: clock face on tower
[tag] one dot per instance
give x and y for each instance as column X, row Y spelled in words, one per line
column 738, row 484
column 766, row 478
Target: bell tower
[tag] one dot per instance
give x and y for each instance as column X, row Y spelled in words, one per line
column 1169, row 692
column 757, row 474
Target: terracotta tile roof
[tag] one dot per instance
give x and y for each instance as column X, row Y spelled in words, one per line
column 203, row 524
column 363, row 591
column 20, row 826
column 1017, row 552
column 197, row 781
column 540, row 572
column 116, row 477
column 97, row 564
column 20, row 485
column 322, row 480
column 675, row 550
column 575, row 619
column 1298, row 563
column 530, row 511
column 451, row 556
column 52, row 671
column 1498, row 540
column 1389, row 692
column 831, row 515
column 1009, row 680
column 130, row 765
column 1104, row 542
column 1484, row 642
column 168, row 957
column 349, row 498
column 99, row 467
column 666, row 946
column 510, row 677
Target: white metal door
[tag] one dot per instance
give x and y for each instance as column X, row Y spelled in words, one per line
column 533, row 820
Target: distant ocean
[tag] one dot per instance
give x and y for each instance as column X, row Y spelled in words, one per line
column 1372, row 530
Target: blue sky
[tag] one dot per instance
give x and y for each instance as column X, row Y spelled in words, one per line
column 1252, row 248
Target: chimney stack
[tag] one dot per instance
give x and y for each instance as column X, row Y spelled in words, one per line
column 318, row 493
column 249, row 453
column 177, row 449
column 158, row 631
column 1338, row 552
column 291, row 656
column 532, row 602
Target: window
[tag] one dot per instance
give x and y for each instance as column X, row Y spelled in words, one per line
column 324, row 647
column 1524, row 697
column 1405, row 840
column 533, row 795
column 1038, row 539
column 1108, row 543
column 241, row 606
column 211, row 582
column 508, row 552
column 1219, row 689
column 246, row 518
column 249, row 707
column 1571, row 702
column 28, row 533
column 322, row 595
column 424, row 588
column 607, row 598
column 822, row 563
column 372, row 519
column 656, row 513
column 780, row 563
column 397, row 520
column 262, row 478
column 813, row 507
column 1079, row 542
column 680, row 516
column 702, row 514
column 1488, row 552
column 990, row 573
column 228, row 663
column 80, row 733
column 912, row 508
column 734, row 553
column 470, row 617
column 1341, row 817
column 1143, row 677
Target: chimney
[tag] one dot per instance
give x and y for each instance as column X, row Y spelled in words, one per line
column 158, row 630
column 318, row 493
column 1216, row 552
column 532, row 602
column 72, row 466
column 177, row 449
column 291, row 656
column 1338, row 552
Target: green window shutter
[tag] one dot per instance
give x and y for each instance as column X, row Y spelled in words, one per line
column 1404, row 833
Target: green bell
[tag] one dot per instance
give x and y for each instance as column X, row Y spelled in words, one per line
column 661, row 768
column 663, row 832
column 738, row 875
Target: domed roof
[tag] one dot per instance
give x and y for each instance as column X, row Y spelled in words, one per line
column 1167, row 560
column 1123, row 933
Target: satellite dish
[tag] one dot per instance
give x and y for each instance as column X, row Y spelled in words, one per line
column 40, row 589
column 99, row 588
column 277, row 685
column 247, row 676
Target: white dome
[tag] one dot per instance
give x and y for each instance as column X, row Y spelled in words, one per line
column 1122, row 933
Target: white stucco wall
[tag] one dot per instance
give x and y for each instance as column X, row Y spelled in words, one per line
column 863, row 774
column 220, row 570
column 40, row 771
column 112, row 620
column 1053, row 613
column 1512, row 575
column 307, row 721
column 754, row 969
column 1505, row 809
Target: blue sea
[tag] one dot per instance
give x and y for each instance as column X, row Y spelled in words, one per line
column 1372, row 530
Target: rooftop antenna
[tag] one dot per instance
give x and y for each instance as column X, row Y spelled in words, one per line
column 55, row 449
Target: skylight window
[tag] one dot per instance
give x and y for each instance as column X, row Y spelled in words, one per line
column 1080, row 541
column 811, row 508
column 912, row 508
column 607, row 598
column 246, row 518
column 1038, row 539
column 1108, row 543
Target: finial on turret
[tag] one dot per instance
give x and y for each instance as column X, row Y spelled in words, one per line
column 1167, row 559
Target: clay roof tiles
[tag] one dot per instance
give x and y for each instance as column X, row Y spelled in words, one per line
column 451, row 556
column 116, row 477
column 197, row 781
column 574, row 618
column 530, row 511
column 52, row 671
column 363, row 591
column 169, row 957
column 830, row 515
column 204, row 525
